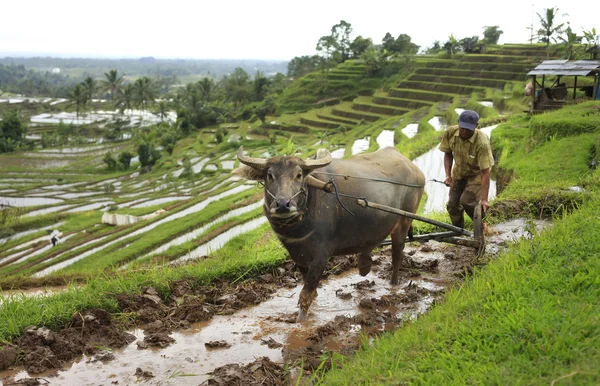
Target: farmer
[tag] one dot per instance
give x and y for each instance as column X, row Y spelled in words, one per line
column 469, row 180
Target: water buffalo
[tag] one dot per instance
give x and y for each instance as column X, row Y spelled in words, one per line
column 313, row 225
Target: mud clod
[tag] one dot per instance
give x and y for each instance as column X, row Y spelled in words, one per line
column 271, row 343
column 143, row 373
column 217, row 344
column 8, row 357
column 365, row 284
column 161, row 340
column 260, row 372
column 29, row 382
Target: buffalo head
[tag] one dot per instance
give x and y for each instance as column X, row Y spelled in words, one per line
column 285, row 180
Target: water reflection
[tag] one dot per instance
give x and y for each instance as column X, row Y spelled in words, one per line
column 411, row 130
column 385, row 139
column 360, row 145
column 223, row 238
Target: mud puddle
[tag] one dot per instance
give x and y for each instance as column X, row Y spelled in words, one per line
column 242, row 333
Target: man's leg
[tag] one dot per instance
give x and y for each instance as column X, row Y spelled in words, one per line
column 454, row 207
column 471, row 196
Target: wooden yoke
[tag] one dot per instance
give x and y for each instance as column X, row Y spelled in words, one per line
column 318, row 184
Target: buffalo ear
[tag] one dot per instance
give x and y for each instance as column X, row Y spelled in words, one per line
column 250, row 173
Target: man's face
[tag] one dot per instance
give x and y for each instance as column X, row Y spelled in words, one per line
column 465, row 133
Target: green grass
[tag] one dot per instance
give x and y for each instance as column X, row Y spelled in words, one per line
column 528, row 318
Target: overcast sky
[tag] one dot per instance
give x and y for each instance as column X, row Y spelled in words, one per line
column 260, row 29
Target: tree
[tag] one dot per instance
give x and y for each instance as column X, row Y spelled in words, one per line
column 206, row 87
column 148, row 154
column 326, row 47
column 77, row 96
column 144, row 91
column 452, row 45
column 341, row 34
column 491, row 34
column 127, row 98
column 302, row 65
column 435, row 48
column 388, row 42
column 125, row 160
column 591, row 38
column 112, row 83
column 568, row 41
column 359, row 45
column 90, row 87
column 12, row 127
column 549, row 27
column 110, row 161
column 261, row 84
column 162, row 110
column 404, row 45
column 469, row 45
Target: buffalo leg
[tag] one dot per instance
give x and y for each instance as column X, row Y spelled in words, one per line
column 303, row 272
column 309, row 291
column 364, row 263
column 398, row 238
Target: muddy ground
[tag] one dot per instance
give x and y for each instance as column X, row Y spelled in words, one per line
column 238, row 333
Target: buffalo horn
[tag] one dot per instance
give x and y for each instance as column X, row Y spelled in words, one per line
column 311, row 164
column 257, row 163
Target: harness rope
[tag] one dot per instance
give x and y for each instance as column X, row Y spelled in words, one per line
column 346, row 176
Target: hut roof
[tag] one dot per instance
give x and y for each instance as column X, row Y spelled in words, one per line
column 565, row 67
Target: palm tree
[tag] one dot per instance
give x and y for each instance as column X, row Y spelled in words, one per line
column 90, row 87
column 549, row 29
column 569, row 41
column 162, row 110
column 112, row 83
column 77, row 96
column 144, row 92
column 126, row 98
column 206, row 87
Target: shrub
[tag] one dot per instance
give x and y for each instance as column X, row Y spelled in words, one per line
column 110, row 161
column 125, row 160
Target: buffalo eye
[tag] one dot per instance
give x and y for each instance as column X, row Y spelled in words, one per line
column 299, row 176
column 270, row 176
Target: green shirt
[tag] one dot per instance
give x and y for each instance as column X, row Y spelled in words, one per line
column 471, row 156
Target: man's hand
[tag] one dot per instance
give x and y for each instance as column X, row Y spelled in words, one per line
column 485, row 204
column 448, row 181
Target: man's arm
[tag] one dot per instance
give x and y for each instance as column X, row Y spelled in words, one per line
column 448, row 159
column 485, row 188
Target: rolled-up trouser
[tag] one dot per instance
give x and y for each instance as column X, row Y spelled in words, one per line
column 465, row 195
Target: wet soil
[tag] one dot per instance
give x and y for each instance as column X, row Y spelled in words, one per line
column 241, row 333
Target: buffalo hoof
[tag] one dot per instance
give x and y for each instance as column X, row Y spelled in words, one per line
column 301, row 316
column 364, row 264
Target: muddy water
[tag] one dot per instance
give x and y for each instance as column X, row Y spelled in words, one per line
column 247, row 330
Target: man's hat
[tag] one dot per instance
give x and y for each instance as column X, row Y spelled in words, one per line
column 468, row 120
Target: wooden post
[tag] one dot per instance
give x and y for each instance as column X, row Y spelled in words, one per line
column 575, row 88
column 533, row 96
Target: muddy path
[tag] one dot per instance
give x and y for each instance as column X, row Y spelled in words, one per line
column 239, row 333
